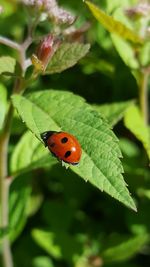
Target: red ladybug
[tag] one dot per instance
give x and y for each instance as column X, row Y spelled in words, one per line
column 63, row 146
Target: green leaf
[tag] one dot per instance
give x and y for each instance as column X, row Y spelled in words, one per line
column 67, row 56
column 60, row 110
column 113, row 112
column 47, row 241
column 7, row 64
column 8, row 7
column 18, row 199
column 125, row 249
column 59, row 245
column 123, row 45
column 144, row 54
column 42, row 261
column 113, row 25
column 112, row 5
column 34, row 203
column 29, row 154
column 3, row 104
column 134, row 122
column 129, row 56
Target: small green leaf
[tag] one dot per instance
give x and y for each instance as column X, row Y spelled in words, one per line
column 121, row 46
column 134, row 122
column 47, row 241
column 18, row 199
column 125, row 249
column 34, row 203
column 67, row 56
column 112, row 25
column 42, row 261
column 29, row 154
column 3, row 104
column 60, row 245
column 144, row 54
column 113, row 112
column 60, row 110
column 7, row 64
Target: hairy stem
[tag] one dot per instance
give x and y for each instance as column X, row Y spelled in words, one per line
column 4, row 180
column 10, row 43
column 143, row 95
column 4, row 187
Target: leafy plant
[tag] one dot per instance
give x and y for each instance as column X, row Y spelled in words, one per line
column 48, row 215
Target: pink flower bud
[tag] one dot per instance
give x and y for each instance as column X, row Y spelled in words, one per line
column 45, row 52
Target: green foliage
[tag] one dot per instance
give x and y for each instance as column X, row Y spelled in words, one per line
column 55, row 110
column 128, row 57
column 7, row 64
column 113, row 112
column 3, row 106
column 29, row 154
column 3, row 232
column 134, row 122
column 112, row 25
column 66, row 56
column 125, row 248
column 20, row 192
column 60, row 246
column 55, row 218
column 42, row 261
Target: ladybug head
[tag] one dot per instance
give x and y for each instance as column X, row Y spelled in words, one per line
column 45, row 136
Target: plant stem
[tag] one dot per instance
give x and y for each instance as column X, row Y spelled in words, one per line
column 4, row 187
column 4, row 180
column 143, row 95
column 4, row 142
column 10, row 43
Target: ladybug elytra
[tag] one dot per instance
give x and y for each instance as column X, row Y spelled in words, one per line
column 63, row 146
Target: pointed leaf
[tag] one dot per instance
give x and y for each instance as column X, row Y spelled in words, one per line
column 113, row 25
column 60, row 110
column 134, row 122
column 113, row 112
column 18, row 199
column 125, row 249
column 122, row 45
column 29, row 154
column 67, row 56
column 42, row 261
column 60, row 245
column 7, row 64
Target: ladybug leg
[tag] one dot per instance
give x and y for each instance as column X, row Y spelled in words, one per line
column 46, row 135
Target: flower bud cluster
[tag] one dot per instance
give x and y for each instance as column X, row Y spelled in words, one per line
column 140, row 10
column 53, row 11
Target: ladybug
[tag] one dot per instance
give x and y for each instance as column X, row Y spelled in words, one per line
column 63, row 146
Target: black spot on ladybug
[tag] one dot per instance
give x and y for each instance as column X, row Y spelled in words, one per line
column 64, row 140
column 52, row 145
column 67, row 154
